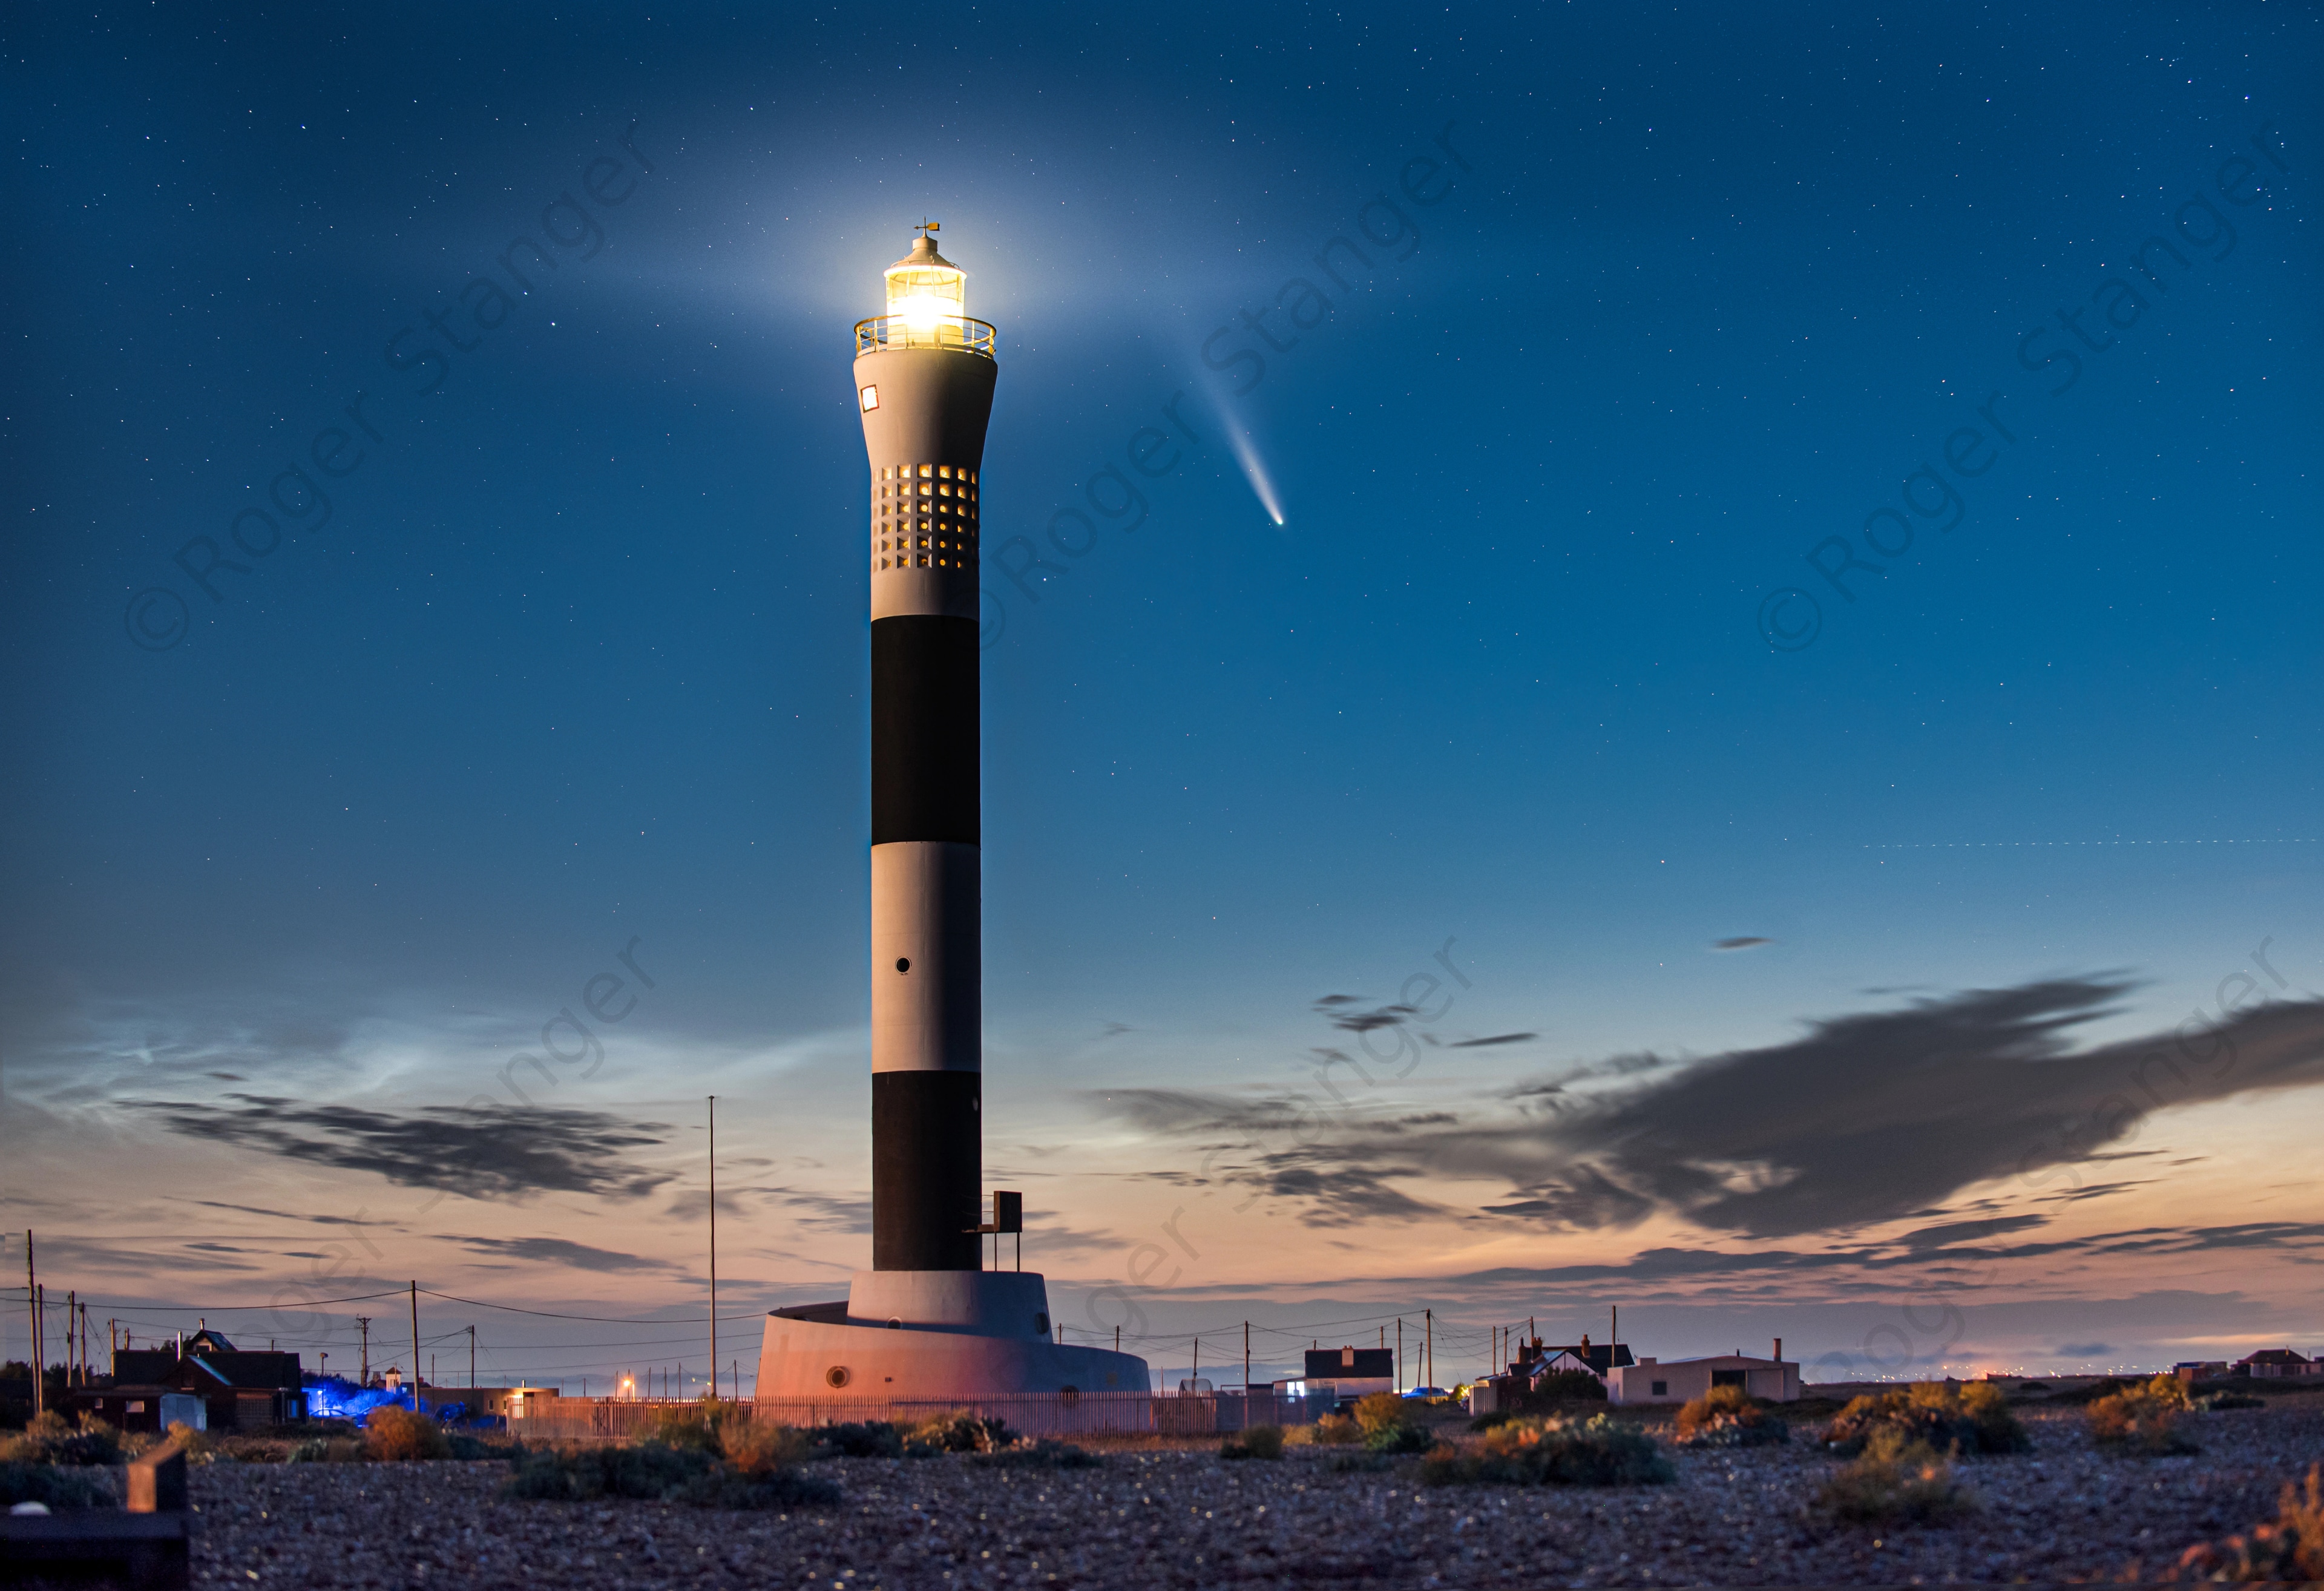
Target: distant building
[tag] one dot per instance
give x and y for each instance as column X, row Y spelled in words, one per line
column 234, row 1390
column 2199, row 1369
column 1651, row 1381
column 2275, row 1364
column 523, row 1402
column 1343, row 1374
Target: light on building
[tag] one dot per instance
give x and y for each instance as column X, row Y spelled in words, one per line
column 926, row 292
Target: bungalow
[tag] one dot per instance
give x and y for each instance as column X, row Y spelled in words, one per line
column 2275, row 1364
column 1343, row 1374
column 1681, row 1381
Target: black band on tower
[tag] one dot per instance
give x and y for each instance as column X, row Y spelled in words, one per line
column 927, row 1171
column 924, row 728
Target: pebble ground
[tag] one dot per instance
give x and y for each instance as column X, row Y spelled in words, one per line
column 1154, row 1518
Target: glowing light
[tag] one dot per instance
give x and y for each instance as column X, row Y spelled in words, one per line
column 925, row 289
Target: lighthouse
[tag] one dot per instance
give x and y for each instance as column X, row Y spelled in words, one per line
column 927, row 1319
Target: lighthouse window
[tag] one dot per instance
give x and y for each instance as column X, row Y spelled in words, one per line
column 945, row 472
column 927, row 470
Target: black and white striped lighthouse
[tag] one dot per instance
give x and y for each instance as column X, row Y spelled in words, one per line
column 924, row 380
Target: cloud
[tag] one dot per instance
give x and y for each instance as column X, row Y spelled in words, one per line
column 1865, row 1119
column 1870, row 1118
column 2083, row 1350
column 1499, row 1038
column 1747, row 942
column 512, row 1154
column 556, row 1251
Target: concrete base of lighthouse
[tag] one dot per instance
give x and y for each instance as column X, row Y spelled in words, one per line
column 917, row 1335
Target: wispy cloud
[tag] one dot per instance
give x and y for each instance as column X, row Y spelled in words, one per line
column 511, row 1155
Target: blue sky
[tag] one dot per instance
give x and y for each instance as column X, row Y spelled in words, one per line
column 1655, row 313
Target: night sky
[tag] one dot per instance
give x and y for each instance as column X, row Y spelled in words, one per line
column 1708, row 703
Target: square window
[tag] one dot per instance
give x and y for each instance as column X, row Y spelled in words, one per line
column 925, row 471
column 1661, row 1389
column 945, row 472
column 971, row 477
column 871, row 396
column 924, row 541
column 924, row 560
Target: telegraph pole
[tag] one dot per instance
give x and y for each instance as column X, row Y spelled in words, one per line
column 472, row 1360
column 415, row 1345
column 32, row 1308
column 362, row 1324
column 714, row 1248
column 1431, row 1319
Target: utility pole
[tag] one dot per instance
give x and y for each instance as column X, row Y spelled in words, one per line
column 1432, row 1347
column 1401, row 1382
column 73, row 1323
column 714, row 1248
column 32, row 1308
column 362, row 1324
column 415, row 1346
column 472, row 1359
column 1246, row 1373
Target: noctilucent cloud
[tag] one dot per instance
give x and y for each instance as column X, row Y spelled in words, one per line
column 1663, row 661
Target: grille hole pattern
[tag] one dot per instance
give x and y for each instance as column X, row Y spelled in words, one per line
column 924, row 517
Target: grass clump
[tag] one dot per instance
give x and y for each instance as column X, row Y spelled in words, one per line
column 1260, row 1441
column 1554, row 1450
column 325, row 1450
column 1332, row 1431
column 2142, row 1420
column 1895, row 1479
column 1946, row 1418
column 401, row 1435
column 1729, row 1417
column 2288, row 1548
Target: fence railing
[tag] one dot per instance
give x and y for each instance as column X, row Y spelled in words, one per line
column 957, row 332
column 1038, row 1415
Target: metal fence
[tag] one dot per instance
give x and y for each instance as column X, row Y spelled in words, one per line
column 1039, row 1414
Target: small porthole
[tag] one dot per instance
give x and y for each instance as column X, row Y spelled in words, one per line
column 903, row 963
column 835, row 1377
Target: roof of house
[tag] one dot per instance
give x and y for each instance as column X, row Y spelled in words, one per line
column 1600, row 1357
column 2276, row 1356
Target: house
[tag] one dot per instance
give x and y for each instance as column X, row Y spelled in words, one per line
column 1596, row 1358
column 1651, row 1381
column 233, row 1389
column 2199, row 1369
column 2276, row 1364
column 1343, row 1374
column 525, row 1403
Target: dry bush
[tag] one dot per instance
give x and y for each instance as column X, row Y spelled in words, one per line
column 2288, row 1548
column 2143, row 1419
column 1975, row 1418
column 1332, row 1431
column 1260, row 1441
column 1552, row 1452
column 1729, row 1417
column 956, row 1432
column 1567, row 1387
column 757, row 1451
column 1897, row 1480
column 391, row 1433
column 48, row 1438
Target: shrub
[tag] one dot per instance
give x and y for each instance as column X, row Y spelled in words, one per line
column 1260, row 1441
column 1897, row 1480
column 1553, row 1451
column 47, row 1439
column 2289, row 1547
column 1570, row 1386
column 1975, row 1419
column 1498, row 1417
column 760, row 1477
column 1385, row 1422
column 2143, row 1419
column 391, row 1433
column 869, row 1439
column 1041, row 1453
column 1332, row 1431
column 2206, row 1402
column 1729, row 1417
column 958, row 1432
column 758, row 1451
column 54, row 1486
